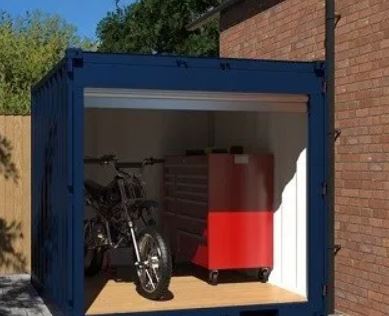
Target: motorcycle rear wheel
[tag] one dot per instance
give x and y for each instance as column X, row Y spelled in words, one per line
column 93, row 258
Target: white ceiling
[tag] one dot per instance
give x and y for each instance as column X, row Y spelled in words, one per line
column 193, row 100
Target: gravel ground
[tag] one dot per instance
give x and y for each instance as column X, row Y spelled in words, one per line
column 18, row 297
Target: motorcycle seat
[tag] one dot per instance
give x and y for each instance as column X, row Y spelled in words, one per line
column 94, row 188
column 147, row 204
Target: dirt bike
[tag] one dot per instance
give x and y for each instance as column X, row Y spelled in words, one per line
column 120, row 208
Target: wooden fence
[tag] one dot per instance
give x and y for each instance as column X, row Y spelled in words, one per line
column 15, row 196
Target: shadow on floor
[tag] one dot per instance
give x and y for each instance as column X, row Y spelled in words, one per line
column 225, row 276
column 10, row 258
column 18, row 297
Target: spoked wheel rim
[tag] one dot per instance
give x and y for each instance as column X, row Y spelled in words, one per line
column 149, row 272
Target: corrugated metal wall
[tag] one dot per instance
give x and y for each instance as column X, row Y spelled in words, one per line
column 15, row 195
column 57, row 144
column 51, row 206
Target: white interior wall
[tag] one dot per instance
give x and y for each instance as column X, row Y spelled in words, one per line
column 285, row 136
column 247, row 129
column 288, row 139
column 137, row 134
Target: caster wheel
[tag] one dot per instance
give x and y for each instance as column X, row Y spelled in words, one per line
column 213, row 276
column 263, row 274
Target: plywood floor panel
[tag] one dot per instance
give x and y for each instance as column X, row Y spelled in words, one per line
column 187, row 292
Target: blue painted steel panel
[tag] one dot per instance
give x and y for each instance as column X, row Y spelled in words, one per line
column 317, row 239
column 57, row 126
column 78, row 200
column 51, row 205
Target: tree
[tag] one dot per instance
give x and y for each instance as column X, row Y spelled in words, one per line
column 30, row 45
column 159, row 26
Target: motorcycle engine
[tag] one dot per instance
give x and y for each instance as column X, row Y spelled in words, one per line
column 100, row 232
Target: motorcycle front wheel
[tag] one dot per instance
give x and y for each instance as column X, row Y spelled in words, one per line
column 155, row 271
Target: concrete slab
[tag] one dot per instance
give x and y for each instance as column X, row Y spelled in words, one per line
column 19, row 298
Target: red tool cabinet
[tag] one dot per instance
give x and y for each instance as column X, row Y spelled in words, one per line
column 218, row 211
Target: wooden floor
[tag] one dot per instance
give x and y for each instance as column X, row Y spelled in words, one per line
column 105, row 295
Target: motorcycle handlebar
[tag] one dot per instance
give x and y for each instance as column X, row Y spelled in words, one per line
column 153, row 161
column 129, row 165
column 145, row 162
column 103, row 160
column 111, row 158
column 92, row 160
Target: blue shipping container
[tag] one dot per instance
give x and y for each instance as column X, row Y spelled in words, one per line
column 58, row 150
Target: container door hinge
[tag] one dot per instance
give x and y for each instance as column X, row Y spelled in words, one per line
column 337, row 133
column 182, row 63
column 320, row 69
column 225, row 66
column 324, row 290
column 324, row 188
column 74, row 60
column 324, row 86
column 320, row 72
column 337, row 248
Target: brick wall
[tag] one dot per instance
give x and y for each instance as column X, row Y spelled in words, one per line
column 294, row 29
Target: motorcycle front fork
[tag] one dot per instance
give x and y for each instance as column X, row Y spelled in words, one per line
column 134, row 243
column 138, row 263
